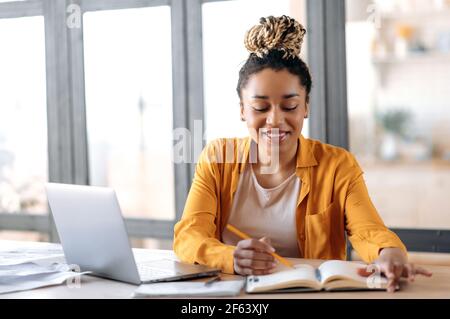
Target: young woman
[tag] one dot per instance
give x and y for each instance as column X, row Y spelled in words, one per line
column 299, row 196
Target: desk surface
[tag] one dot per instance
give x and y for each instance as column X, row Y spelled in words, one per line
column 438, row 286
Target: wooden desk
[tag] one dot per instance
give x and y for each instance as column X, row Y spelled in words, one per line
column 437, row 286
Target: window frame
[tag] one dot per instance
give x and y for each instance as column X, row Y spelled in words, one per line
column 20, row 221
column 66, row 105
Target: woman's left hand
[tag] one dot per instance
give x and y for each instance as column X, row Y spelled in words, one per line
column 394, row 264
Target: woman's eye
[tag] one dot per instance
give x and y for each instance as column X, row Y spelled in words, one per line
column 265, row 109
column 290, row 107
column 260, row 109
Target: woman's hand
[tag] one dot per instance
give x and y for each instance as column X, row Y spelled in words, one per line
column 252, row 257
column 393, row 263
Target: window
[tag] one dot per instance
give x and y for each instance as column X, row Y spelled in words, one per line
column 398, row 55
column 23, row 122
column 129, row 107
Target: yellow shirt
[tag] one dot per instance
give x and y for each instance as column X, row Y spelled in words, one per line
column 270, row 212
column 333, row 201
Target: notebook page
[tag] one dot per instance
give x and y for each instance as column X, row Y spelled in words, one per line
column 343, row 269
column 301, row 272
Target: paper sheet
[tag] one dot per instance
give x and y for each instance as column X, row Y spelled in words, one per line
column 27, row 269
column 36, row 281
column 23, row 255
column 24, row 268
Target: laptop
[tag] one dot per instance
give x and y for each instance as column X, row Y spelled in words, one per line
column 93, row 236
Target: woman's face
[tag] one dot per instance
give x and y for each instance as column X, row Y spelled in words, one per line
column 274, row 100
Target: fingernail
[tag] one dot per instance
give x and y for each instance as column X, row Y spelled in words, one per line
column 363, row 272
column 274, row 264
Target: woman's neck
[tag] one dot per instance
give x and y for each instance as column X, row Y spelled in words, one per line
column 269, row 161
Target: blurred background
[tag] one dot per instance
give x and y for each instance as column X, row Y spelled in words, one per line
column 91, row 91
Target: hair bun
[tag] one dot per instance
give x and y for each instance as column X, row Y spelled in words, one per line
column 280, row 33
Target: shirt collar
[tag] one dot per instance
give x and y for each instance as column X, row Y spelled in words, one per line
column 305, row 157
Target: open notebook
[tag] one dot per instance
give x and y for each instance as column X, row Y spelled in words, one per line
column 330, row 275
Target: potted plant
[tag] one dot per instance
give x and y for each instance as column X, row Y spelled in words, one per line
column 394, row 123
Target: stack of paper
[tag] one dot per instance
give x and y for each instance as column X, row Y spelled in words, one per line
column 29, row 276
column 25, row 269
column 49, row 253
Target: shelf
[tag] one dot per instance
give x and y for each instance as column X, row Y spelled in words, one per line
column 428, row 57
column 432, row 13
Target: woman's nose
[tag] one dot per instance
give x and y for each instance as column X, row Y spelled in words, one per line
column 274, row 117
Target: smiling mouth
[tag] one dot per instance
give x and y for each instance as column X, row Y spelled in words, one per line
column 272, row 136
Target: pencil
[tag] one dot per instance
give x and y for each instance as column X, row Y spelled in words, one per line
column 237, row 232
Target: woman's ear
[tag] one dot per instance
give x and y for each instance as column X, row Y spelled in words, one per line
column 242, row 112
column 306, row 110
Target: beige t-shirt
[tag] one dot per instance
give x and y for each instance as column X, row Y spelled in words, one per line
column 260, row 212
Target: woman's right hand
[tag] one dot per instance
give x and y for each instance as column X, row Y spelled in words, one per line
column 252, row 257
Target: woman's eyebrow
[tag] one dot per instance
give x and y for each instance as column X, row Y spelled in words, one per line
column 265, row 97
column 288, row 96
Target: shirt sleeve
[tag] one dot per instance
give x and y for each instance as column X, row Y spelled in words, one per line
column 365, row 229
column 194, row 235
